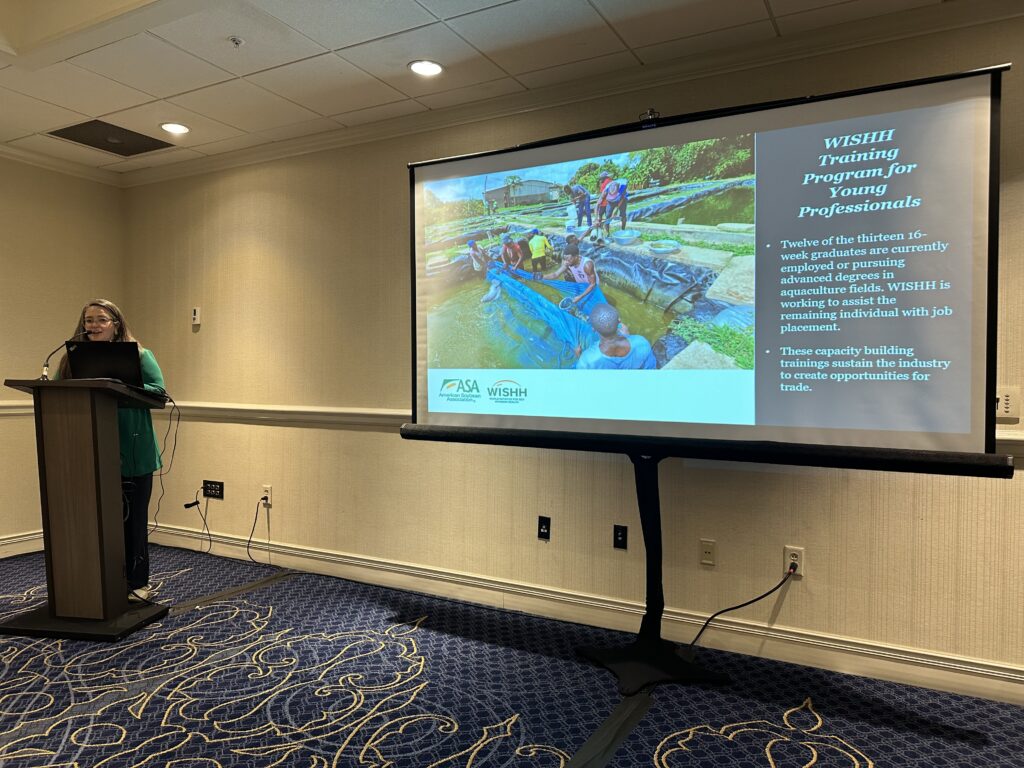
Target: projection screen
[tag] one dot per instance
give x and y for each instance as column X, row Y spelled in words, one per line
column 818, row 271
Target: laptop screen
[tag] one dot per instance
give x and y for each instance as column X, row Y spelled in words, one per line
column 105, row 360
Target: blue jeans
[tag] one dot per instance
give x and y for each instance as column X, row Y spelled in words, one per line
column 583, row 209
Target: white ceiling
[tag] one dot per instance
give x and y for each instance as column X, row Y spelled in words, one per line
column 312, row 66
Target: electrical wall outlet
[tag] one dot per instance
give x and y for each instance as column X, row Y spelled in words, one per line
column 544, row 528
column 796, row 555
column 213, row 489
column 620, row 536
column 708, row 552
column 268, row 492
column 1007, row 404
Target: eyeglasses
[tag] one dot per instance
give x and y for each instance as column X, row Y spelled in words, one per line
column 97, row 321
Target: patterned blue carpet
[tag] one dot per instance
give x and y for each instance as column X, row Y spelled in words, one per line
column 319, row 672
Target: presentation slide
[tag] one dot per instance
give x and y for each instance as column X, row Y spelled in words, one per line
column 814, row 273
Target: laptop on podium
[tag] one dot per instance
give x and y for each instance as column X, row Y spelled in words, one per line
column 105, row 360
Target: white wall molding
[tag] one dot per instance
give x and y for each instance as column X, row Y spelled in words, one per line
column 1008, row 441
column 15, row 408
column 60, row 165
column 975, row 677
column 294, row 415
column 20, row 543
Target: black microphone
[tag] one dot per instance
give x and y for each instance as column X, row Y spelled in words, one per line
column 46, row 362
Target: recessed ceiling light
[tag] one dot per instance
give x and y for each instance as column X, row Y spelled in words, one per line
column 425, row 68
column 176, row 128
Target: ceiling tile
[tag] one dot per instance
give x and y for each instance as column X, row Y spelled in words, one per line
column 152, row 65
column 148, row 117
column 337, row 25
column 21, row 115
column 720, row 40
column 646, row 22
column 231, row 145
column 783, row 7
column 527, row 35
column 385, row 112
column 854, row 10
column 579, row 70
column 9, row 131
column 243, row 105
column 477, row 92
column 326, row 84
column 388, row 59
column 73, row 88
column 268, row 41
column 445, row 9
column 307, row 128
column 66, row 150
column 164, row 157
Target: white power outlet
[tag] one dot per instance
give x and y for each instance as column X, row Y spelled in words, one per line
column 708, row 552
column 1007, row 405
column 268, row 491
column 796, row 555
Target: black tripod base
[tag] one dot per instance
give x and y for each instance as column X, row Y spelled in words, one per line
column 645, row 664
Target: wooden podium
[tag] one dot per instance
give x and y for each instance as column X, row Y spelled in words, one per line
column 80, row 493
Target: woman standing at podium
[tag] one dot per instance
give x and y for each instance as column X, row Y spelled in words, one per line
column 101, row 320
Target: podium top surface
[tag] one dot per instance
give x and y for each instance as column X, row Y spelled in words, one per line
column 133, row 396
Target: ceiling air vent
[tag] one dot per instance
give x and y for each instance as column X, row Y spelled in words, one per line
column 110, row 138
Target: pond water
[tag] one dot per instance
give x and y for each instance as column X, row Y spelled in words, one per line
column 733, row 205
column 464, row 332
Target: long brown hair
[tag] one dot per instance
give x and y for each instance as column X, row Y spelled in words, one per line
column 121, row 330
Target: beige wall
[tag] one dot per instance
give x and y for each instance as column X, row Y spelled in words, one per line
column 62, row 244
column 301, row 269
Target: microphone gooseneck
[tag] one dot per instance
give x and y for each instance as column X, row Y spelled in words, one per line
column 46, row 362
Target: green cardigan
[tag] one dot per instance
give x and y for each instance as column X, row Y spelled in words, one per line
column 140, row 452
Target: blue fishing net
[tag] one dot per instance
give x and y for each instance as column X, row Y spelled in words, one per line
column 545, row 335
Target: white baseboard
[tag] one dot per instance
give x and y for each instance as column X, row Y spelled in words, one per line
column 21, row 543
column 972, row 677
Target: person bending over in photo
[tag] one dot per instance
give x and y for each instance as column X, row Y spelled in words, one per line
column 511, row 254
column 540, row 249
column 614, row 199
column 581, row 199
column 101, row 320
column 581, row 270
column 615, row 349
column 478, row 257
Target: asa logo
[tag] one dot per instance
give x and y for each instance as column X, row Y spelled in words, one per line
column 460, row 386
column 506, row 391
column 455, row 390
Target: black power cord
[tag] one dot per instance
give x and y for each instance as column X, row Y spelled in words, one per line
column 252, row 533
column 789, row 574
column 203, row 516
column 206, row 527
column 175, row 411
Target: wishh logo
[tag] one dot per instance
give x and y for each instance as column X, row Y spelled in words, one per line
column 460, row 390
column 506, row 391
